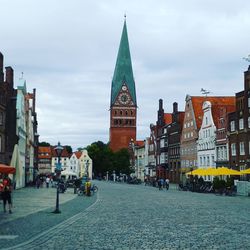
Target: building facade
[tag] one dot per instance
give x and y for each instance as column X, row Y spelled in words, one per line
column 174, row 130
column 123, row 105
column 239, row 128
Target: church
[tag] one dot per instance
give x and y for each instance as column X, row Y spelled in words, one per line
column 123, row 105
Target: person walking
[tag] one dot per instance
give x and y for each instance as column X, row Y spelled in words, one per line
column 167, row 183
column 47, row 181
column 6, row 193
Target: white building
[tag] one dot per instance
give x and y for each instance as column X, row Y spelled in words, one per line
column 206, row 152
column 74, row 163
column 86, row 165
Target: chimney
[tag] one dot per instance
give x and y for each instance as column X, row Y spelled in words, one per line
column 175, row 107
column 160, row 120
column 160, row 104
column 9, row 76
column 1, row 68
column 34, row 101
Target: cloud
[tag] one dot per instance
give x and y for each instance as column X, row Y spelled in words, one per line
column 67, row 52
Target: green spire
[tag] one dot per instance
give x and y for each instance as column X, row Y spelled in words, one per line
column 123, row 69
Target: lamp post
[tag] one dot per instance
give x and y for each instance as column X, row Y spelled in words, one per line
column 87, row 168
column 58, row 150
column 107, row 176
column 114, row 176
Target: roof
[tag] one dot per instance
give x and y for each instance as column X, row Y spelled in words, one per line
column 216, row 101
column 123, row 69
column 44, row 152
column 78, row 154
column 167, row 118
column 64, row 152
column 139, row 143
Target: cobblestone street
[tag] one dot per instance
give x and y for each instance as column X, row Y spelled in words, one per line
column 125, row 216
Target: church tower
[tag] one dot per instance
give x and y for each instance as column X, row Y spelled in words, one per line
column 123, row 98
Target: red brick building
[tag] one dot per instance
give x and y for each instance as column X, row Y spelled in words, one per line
column 123, row 106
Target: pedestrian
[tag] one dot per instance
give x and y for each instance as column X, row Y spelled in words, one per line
column 167, row 183
column 38, row 182
column 6, row 193
column 47, row 181
column 87, row 187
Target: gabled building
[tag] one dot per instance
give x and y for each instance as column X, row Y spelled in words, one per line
column 123, row 105
column 173, row 138
column 64, row 159
column 192, row 123
column 206, row 143
column 8, row 136
column 221, row 141
column 86, row 165
column 139, row 152
column 163, row 121
column 74, row 163
column 44, row 160
column 239, row 128
column 21, row 131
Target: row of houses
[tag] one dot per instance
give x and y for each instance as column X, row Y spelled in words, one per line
column 76, row 164
column 18, row 126
column 212, row 131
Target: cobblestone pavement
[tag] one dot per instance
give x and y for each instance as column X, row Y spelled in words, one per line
column 138, row 217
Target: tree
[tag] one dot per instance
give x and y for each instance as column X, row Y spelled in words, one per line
column 104, row 159
column 68, row 149
column 43, row 144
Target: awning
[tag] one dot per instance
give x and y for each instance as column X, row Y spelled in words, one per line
column 5, row 169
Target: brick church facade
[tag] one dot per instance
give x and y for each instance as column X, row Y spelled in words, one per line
column 123, row 105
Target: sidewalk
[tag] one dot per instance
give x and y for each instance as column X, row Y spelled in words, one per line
column 30, row 200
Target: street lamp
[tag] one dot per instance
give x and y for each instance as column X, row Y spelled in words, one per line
column 58, row 150
column 107, row 175
column 87, row 168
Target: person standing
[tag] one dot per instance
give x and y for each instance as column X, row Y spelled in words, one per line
column 6, row 193
column 47, row 181
column 167, row 183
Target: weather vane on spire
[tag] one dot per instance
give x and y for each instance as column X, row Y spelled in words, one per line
column 205, row 92
column 125, row 16
column 22, row 75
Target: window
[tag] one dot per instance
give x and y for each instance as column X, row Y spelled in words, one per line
column 232, row 126
column 1, row 118
column 206, row 121
column 241, row 123
column 248, row 102
column 0, row 143
column 191, row 123
column 233, row 149
column 242, row 148
column 249, row 122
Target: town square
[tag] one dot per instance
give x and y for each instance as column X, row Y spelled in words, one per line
column 124, row 125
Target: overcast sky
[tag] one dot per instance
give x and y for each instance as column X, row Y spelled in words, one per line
column 67, row 51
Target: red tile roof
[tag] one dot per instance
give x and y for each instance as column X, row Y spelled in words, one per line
column 44, row 152
column 167, row 118
column 139, row 143
column 216, row 101
column 64, row 152
column 78, row 154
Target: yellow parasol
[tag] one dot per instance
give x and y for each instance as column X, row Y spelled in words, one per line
column 246, row 171
column 227, row 171
column 199, row 171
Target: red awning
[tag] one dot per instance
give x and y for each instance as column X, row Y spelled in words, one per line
column 5, row 169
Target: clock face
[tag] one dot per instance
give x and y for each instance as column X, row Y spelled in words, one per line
column 124, row 98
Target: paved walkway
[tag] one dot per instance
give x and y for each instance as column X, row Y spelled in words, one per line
column 32, row 200
column 128, row 217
